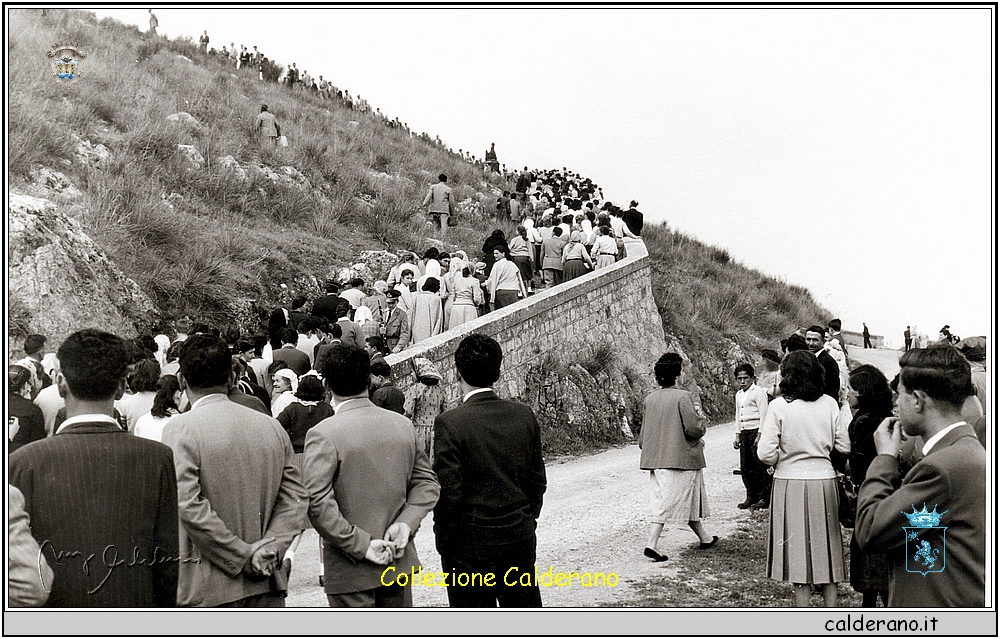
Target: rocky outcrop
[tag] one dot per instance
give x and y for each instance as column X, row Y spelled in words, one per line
column 60, row 281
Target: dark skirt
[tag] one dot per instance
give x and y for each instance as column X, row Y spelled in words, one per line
column 868, row 571
column 573, row 268
column 503, row 297
column 523, row 263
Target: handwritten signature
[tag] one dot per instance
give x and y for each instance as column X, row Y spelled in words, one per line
column 109, row 560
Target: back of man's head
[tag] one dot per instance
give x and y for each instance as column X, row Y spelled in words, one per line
column 940, row 371
column 93, row 362
column 478, row 360
column 33, row 344
column 346, row 370
column 289, row 335
column 205, row 361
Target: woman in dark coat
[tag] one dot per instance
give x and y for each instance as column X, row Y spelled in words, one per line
column 871, row 398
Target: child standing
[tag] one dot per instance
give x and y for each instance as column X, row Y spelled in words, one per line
column 751, row 408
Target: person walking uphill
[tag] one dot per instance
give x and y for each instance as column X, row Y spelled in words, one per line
column 267, row 126
column 439, row 202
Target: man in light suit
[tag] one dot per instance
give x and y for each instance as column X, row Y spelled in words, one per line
column 96, row 495
column 950, row 479
column 240, row 496
column 370, row 486
column 488, row 458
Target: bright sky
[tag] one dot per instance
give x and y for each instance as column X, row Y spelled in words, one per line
column 845, row 149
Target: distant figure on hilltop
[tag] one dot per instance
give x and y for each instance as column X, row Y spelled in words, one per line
column 866, row 335
column 491, row 158
column 203, row 41
column 907, row 339
column 153, row 23
column 267, row 125
column 439, row 202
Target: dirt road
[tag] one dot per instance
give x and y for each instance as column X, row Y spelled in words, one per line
column 594, row 520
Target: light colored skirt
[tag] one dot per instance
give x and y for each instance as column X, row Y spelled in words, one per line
column 462, row 313
column 804, row 542
column 603, row 261
column 677, row 496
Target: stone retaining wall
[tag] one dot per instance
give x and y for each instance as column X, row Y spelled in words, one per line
column 611, row 306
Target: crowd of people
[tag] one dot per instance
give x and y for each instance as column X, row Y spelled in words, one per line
column 811, row 430
column 189, row 491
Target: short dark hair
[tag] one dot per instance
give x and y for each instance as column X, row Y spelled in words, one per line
column 357, row 281
column 745, row 367
column 166, row 386
column 336, row 331
column 557, row 231
column 796, row 342
column 144, row 377
column 835, row 324
column 801, row 376
column 771, row 355
column 377, row 342
column 343, row 308
column 288, row 335
column 667, row 369
column 205, row 361
column 346, row 370
column 443, row 177
column 232, row 333
column 299, row 302
column 431, row 253
column 816, row 328
column 17, row 377
column 478, row 358
column 432, row 285
column 310, row 389
column 381, row 369
column 93, row 362
column 34, row 343
column 940, row 371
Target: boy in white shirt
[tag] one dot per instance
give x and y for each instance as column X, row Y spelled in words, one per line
column 751, row 408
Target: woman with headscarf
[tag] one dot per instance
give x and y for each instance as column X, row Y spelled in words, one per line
column 454, row 272
column 425, row 312
column 575, row 260
column 423, row 402
column 605, row 248
column 467, row 299
column 286, row 383
column 534, row 243
column 162, row 346
column 504, row 282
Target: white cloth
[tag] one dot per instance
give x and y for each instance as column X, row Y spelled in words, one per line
column 149, row 427
column 941, row 433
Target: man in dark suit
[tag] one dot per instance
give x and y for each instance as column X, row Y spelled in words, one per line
column 326, row 306
column 488, row 458
column 241, row 500
column 290, row 356
column 831, row 371
column 950, row 480
column 370, row 485
column 102, row 503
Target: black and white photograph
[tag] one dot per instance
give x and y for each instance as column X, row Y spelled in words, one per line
column 568, row 310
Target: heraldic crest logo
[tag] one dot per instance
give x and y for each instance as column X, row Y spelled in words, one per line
column 67, row 62
column 926, row 550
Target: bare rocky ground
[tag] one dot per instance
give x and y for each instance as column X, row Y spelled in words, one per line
column 594, row 519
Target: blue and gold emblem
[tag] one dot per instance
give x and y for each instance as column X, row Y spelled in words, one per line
column 66, row 62
column 926, row 550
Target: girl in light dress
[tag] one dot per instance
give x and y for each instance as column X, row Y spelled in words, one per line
column 165, row 406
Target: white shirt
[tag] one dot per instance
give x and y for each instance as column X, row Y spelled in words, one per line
column 50, row 402
column 941, row 433
column 466, row 397
column 337, row 407
column 84, row 419
column 149, row 427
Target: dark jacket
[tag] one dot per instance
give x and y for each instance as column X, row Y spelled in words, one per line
column 30, row 423
column 389, row 397
column 95, row 489
column 633, row 220
column 831, row 375
column 326, row 307
column 488, row 459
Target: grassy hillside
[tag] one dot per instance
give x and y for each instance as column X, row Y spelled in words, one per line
column 217, row 238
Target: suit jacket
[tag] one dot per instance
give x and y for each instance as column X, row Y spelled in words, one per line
column 951, row 477
column 96, row 492
column 488, row 458
column 326, row 306
column 364, row 471
column 29, row 575
column 237, row 483
column 30, row 423
column 293, row 358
